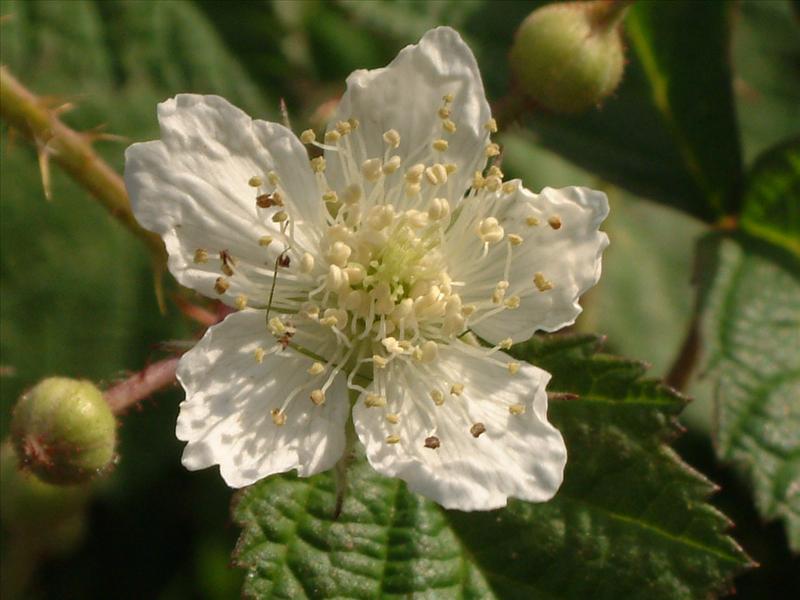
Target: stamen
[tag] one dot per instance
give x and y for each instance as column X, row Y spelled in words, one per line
column 477, row 429
column 392, row 439
column 317, row 397
column 280, row 217
column 392, row 165
column 506, row 343
column 374, row 401
column 392, row 138
column 532, row 221
column 265, row 240
column 260, row 354
column 554, row 222
column 440, row 145
column 513, row 368
column 393, row 419
column 432, row 442
column 371, row 169
column 438, row 397
column 457, row 389
column 306, row 263
column 491, row 125
column 318, row 164
column 200, row 256
column 255, row 181
column 315, row 369
column 308, row 136
column 221, row 285
column 541, row 283
column 278, row 417
column 332, row 137
column 516, row 409
column 492, row 150
column 240, row 302
column 514, row 239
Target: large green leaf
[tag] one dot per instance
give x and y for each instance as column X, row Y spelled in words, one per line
column 750, row 323
column 772, row 200
column 631, row 520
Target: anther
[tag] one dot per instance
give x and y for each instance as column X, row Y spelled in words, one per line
column 318, row 164
column 315, row 369
column 457, row 389
column 240, row 302
column 513, row 368
column 338, row 254
column 276, row 326
column 490, row 231
column 379, row 361
column 468, row 309
column 440, row 145
column 478, row 180
column 333, row 136
column 448, row 98
column 352, row 194
column 280, row 217
column 439, row 208
column 392, row 138
column 308, row 136
column 227, row 262
column 449, row 126
column 510, row 187
column 260, row 354
column 430, row 350
column 392, row 439
column 371, row 169
column 392, row 165
column 532, row 221
column 306, row 263
column 517, row 409
column 221, row 285
column 492, row 150
column 255, row 181
column 273, row 178
column 436, row 174
column 491, row 125
column 541, row 283
column 438, row 397
column 444, row 112
column 493, row 183
column 432, row 442
column 317, row 397
column 514, row 239
column 354, row 123
column 512, row 302
column 265, row 240
column 344, row 127
column 506, row 343
column 278, row 417
column 330, row 196
column 200, row 256
column 268, row 200
column 374, row 401
column 554, row 222
column 451, row 168
column 393, row 418
column 414, row 173
column 477, row 429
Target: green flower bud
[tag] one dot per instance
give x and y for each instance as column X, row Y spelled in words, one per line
column 569, row 56
column 64, row 431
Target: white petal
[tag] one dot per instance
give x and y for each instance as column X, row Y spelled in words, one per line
column 192, row 188
column 520, row 456
column 406, row 96
column 569, row 258
column 226, row 417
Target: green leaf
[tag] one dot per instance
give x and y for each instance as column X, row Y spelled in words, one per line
column 670, row 133
column 629, row 522
column 750, row 326
column 772, row 200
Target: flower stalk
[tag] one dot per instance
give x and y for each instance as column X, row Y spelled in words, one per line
column 141, row 385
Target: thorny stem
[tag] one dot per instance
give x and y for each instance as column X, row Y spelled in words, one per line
column 72, row 150
column 139, row 386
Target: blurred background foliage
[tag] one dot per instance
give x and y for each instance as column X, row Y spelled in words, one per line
column 77, row 290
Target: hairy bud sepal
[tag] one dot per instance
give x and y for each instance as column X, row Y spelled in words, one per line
column 64, row 431
column 569, row 57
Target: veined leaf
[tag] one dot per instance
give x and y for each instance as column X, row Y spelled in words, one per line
column 631, row 520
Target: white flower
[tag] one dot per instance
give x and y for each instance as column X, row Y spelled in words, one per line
column 391, row 251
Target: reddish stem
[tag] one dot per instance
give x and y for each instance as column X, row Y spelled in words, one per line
column 139, row 386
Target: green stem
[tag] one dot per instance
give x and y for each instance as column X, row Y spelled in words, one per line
column 73, row 151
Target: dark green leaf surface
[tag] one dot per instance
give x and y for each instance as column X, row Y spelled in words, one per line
column 772, row 200
column 629, row 507
column 750, row 321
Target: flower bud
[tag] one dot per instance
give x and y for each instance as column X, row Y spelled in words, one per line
column 64, row 431
column 569, row 56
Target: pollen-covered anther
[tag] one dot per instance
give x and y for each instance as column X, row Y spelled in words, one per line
column 332, row 137
column 265, row 240
column 318, row 164
column 541, row 283
column 354, row 123
column 429, row 351
column 439, row 208
column 371, row 169
column 440, row 145
column 509, row 187
column 392, row 165
column 554, row 222
column 436, row 174
column 227, row 262
column 492, row 150
column 416, row 218
column 375, row 401
column 392, row 345
column 379, row 361
column 317, row 397
column 491, row 125
column 200, row 256
column 477, row 429
column 278, row 417
column 506, row 343
column 478, row 180
column 438, row 397
column 316, row 368
column 330, row 196
column 457, row 389
column 338, row 254
column 306, row 263
column 260, row 353
column 499, row 292
column 493, row 183
column 255, row 181
column 432, row 442
column 393, row 418
column 532, row 221
column 336, row 279
column 468, row 309
column 280, row 216
column 489, row 230
column 513, row 302
column 414, row 173
column 449, row 126
column 514, row 239
column 269, row 200
column 276, row 326
column 517, row 409
column 444, row 112
column 352, row 194
column 334, row 317
column 308, row 136
column 513, row 368
column 221, row 285
column 273, row 178
column 240, row 302
column 393, row 439
column 392, row 138
column 344, row 127
column 380, row 216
